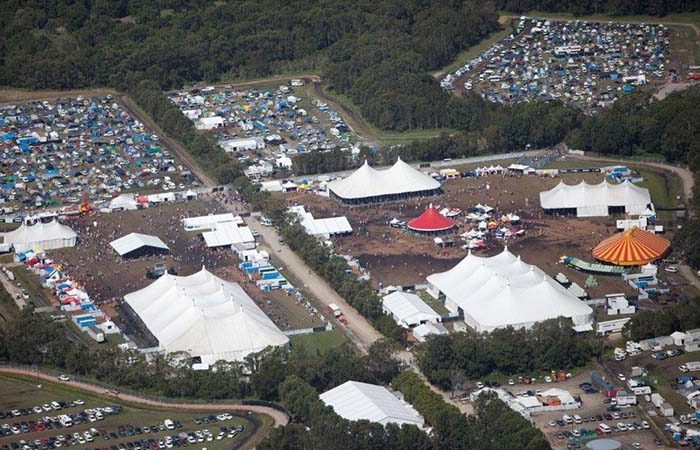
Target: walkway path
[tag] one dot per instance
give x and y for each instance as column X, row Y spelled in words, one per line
column 359, row 329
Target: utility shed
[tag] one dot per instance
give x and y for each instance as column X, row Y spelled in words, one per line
column 353, row 400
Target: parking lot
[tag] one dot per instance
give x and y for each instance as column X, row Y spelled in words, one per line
column 585, row 64
column 69, row 150
column 121, row 428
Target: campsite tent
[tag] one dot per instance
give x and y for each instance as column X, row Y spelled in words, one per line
column 205, row 316
column 353, row 400
column 502, row 290
column 432, row 222
column 634, row 247
column 47, row 236
column 596, row 200
column 134, row 245
column 368, row 185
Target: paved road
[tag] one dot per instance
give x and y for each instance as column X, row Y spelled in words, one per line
column 279, row 418
column 359, row 329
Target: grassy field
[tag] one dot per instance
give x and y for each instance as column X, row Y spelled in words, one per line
column 318, row 341
column 663, row 187
column 26, row 393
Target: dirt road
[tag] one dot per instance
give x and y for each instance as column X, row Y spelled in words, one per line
column 279, row 418
column 669, row 88
column 14, row 291
column 358, row 328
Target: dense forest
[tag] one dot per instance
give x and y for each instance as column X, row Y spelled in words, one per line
column 613, row 7
column 681, row 316
column 378, row 53
column 549, row 345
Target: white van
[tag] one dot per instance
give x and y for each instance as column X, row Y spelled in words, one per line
column 169, row 424
column 604, row 428
column 577, row 419
column 568, row 419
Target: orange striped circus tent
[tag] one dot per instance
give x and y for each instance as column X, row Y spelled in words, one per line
column 634, row 247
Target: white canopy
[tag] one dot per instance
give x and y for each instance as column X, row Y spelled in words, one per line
column 367, row 182
column 227, row 234
column 329, row 226
column 593, row 200
column 123, row 201
column 205, row 316
column 47, row 236
column 134, row 241
column 421, row 332
column 353, row 400
column 408, row 309
column 209, row 222
column 502, row 291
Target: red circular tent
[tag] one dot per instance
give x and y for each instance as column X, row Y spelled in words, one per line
column 431, row 221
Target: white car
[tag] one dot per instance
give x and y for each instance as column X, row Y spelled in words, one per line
column 621, row 377
column 671, row 269
column 479, row 385
column 63, row 378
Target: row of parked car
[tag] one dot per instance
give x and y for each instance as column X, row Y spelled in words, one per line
column 153, row 443
column 58, row 422
column 40, row 409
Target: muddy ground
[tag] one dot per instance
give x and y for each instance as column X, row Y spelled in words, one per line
column 396, row 257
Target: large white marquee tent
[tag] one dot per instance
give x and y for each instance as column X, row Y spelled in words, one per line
column 596, row 200
column 502, row 290
column 228, row 234
column 205, row 316
column 47, row 236
column 353, row 400
column 368, row 185
column 329, row 226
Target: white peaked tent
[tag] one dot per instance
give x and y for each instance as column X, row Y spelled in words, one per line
column 353, row 400
column 503, row 290
column 594, row 200
column 205, row 316
column 137, row 241
column 47, row 236
column 124, row 202
column 408, row 309
column 368, row 185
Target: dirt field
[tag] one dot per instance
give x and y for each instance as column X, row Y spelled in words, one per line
column 108, row 278
column 395, row 257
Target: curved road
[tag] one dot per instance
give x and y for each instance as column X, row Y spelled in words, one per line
column 279, row 418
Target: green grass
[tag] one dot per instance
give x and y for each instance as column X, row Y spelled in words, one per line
column 24, row 392
column 318, row 341
column 437, row 305
column 663, row 187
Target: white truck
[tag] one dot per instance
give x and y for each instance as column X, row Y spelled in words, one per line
column 335, row 310
column 691, row 366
